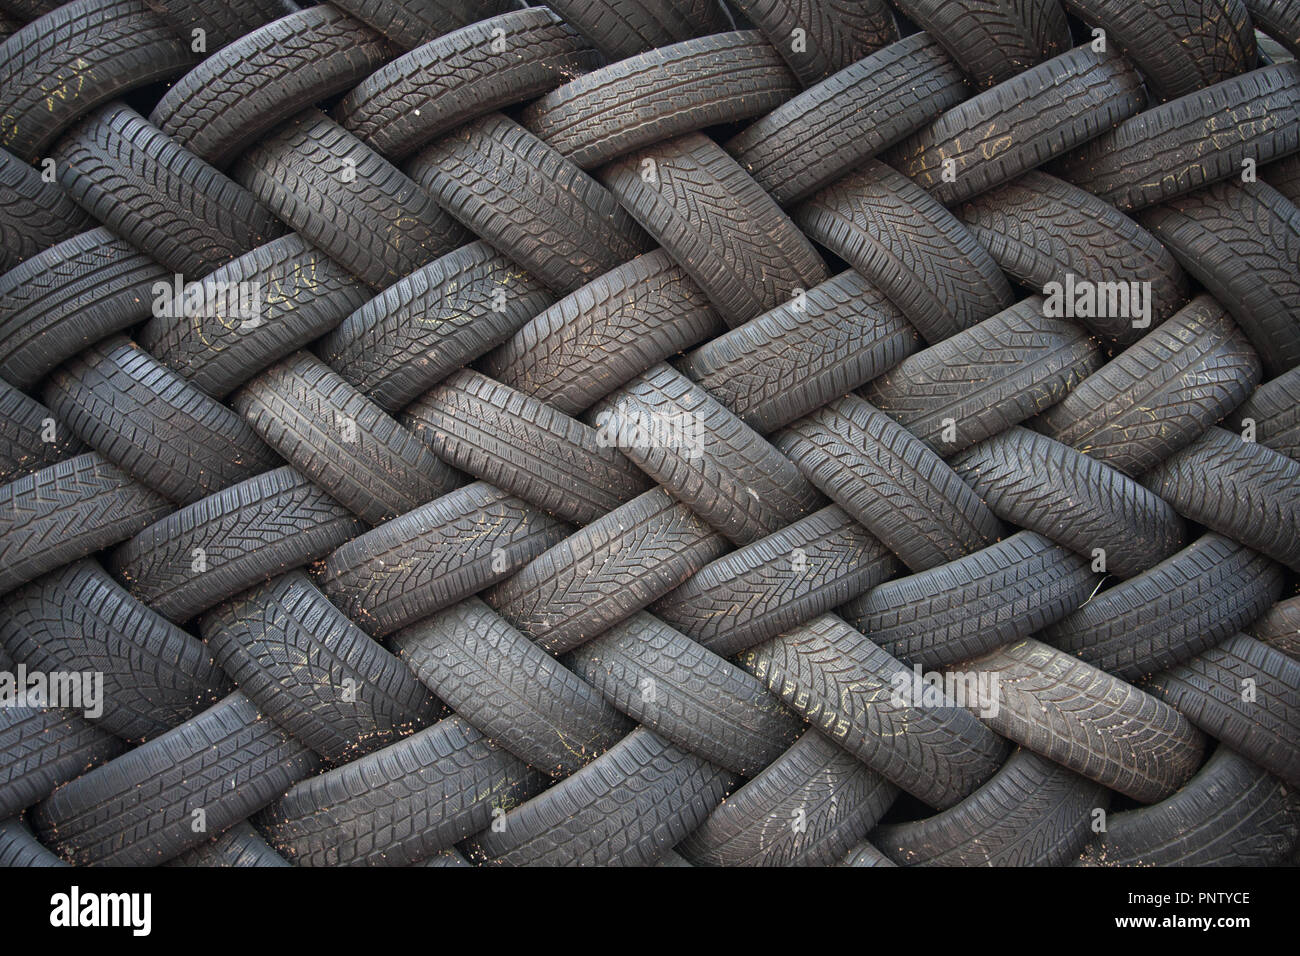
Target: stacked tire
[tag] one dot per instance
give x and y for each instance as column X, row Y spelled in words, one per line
column 649, row 432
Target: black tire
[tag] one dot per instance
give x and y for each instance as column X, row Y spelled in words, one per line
column 726, row 472
column 1032, row 812
column 607, row 571
column 864, row 854
column 437, row 319
column 857, row 113
column 687, row 694
column 600, row 337
column 903, row 241
column 715, row 80
column 623, row 28
column 807, row 808
column 91, row 51
column 222, row 21
column 139, row 809
column 847, row 688
column 1179, row 45
column 1038, row 483
column 68, row 298
column 1240, row 489
column 435, row 555
column 1020, row 124
column 162, row 199
column 1087, row 721
column 530, row 202
column 24, row 425
column 412, row 23
column 795, row 358
column 1279, row 628
column 1280, row 19
column 1192, row 141
column 79, row 619
column 25, row 11
column 215, row 548
column 341, row 440
column 475, row 70
column 44, row 747
column 1244, row 693
column 975, row 604
column 154, row 425
column 67, row 511
column 1184, row 605
column 993, row 40
column 835, row 33
column 1040, row 229
column 19, row 846
column 1159, row 394
column 1232, row 813
column 529, row 449
column 250, row 87
column 986, row 378
column 757, row 592
column 887, row 479
column 510, row 689
column 720, row 226
column 625, row 808
column 313, row 672
column 34, row 214
column 240, row 846
column 1284, row 176
column 1242, row 242
column 1274, row 408
column 218, row 339
column 398, row 805
column 343, row 197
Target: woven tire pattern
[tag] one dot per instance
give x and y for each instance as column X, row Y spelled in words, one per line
column 649, row 432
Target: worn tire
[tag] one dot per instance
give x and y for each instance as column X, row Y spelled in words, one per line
column 1034, row 482
column 131, row 812
column 313, row 672
column 155, row 675
column 1020, row 124
column 1240, row 489
column 246, row 89
column 1088, row 721
column 341, row 440
column 213, row 549
column 1210, row 690
column 441, row 84
column 510, row 689
column 1160, row 393
column 975, row 604
column 528, row 201
column 150, row 422
column 1242, row 242
column 1192, row 141
column 821, row 134
column 1181, row 607
column 993, row 40
column 161, row 198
